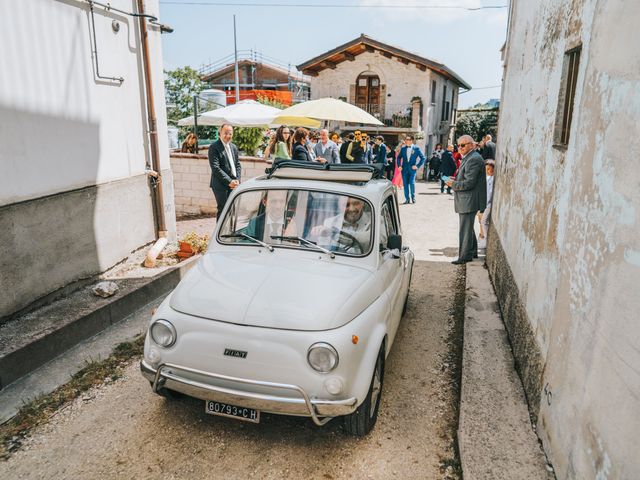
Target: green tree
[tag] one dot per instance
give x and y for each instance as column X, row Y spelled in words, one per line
column 180, row 85
column 477, row 123
column 249, row 139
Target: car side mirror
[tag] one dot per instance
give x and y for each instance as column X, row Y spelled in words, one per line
column 394, row 242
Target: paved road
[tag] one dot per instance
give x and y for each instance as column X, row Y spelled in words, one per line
column 122, row 430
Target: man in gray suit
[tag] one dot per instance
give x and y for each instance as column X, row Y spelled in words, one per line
column 470, row 196
column 326, row 150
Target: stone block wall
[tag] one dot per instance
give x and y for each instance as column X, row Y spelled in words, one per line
column 191, row 177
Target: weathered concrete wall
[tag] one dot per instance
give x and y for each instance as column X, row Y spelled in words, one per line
column 564, row 248
column 52, row 241
column 192, row 175
column 403, row 82
column 74, row 196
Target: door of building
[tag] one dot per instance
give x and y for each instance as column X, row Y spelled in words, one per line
column 368, row 93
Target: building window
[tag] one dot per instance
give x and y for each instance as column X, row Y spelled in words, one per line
column 453, row 97
column 566, row 97
column 444, row 102
column 433, row 92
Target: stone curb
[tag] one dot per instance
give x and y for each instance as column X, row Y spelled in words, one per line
column 495, row 436
column 26, row 358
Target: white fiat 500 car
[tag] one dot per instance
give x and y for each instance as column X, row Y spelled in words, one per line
column 295, row 305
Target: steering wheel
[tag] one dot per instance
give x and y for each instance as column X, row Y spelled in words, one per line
column 349, row 241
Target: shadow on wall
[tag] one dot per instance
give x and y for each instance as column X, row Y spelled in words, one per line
column 48, row 241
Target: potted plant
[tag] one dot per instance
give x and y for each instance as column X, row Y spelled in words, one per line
column 191, row 244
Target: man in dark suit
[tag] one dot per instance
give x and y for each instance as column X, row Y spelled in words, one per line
column 380, row 158
column 224, row 160
column 345, row 146
column 470, row 196
column 447, row 167
column 489, row 148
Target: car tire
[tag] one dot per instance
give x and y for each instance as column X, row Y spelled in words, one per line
column 406, row 303
column 362, row 421
column 406, row 298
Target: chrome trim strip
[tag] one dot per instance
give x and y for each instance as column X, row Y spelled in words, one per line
column 327, row 409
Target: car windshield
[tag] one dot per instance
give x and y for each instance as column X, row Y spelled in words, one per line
column 309, row 220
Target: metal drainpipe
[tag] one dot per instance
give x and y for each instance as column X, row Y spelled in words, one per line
column 153, row 131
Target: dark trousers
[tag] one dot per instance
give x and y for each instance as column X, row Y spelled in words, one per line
column 221, row 199
column 442, row 185
column 388, row 171
column 468, row 244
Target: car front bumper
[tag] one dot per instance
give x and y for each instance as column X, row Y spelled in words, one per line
column 176, row 377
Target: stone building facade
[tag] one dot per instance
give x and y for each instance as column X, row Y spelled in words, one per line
column 564, row 244
column 387, row 82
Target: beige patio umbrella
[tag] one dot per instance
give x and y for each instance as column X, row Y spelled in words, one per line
column 326, row 109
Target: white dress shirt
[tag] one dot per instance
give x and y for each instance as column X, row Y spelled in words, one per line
column 227, row 148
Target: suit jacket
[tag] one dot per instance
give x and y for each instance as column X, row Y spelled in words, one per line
column 300, row 152
column 416, row 158
column 220, row 163
column 447, row 164
column 356, row 152
column 255, row 227
column 381, row 154
column 470, row 186
column 331, row 154
column 489, row 151
column 343, row 151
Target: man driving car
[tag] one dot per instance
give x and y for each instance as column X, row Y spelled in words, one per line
column 349, row 231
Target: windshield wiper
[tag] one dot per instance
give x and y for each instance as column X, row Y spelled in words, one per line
column 305, row 242
column 248, row 237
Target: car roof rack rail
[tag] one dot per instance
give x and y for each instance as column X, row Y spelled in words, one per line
column 337, row 172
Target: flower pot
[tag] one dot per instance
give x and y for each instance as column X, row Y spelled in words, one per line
column 186, row 248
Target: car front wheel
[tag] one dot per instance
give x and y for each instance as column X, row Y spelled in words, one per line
column 362, row 421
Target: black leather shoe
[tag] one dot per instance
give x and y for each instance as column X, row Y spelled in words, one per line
column 406, row 203
column 460, row 261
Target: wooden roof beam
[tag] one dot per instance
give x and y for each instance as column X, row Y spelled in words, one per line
column 421, row 67
column 369, row 48
column 328, row 64
column 403, row 60
column 349, row 56
column 386, row 54
column 311, row 73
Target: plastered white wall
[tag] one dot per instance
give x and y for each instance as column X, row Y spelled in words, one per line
column 568, row 220
column 61, row 128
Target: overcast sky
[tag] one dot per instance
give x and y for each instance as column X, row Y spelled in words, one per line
column 466, row 41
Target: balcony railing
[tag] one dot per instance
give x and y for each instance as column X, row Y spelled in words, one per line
column 396, row 115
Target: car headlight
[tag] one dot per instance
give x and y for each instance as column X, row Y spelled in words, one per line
column 322, row 357
column 163, row 333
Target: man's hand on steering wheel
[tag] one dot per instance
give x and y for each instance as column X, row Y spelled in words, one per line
column 348, row 240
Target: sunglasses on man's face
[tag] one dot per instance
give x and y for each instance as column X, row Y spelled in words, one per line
column 462, row 145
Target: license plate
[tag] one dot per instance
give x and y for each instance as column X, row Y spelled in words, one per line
column 231, row 411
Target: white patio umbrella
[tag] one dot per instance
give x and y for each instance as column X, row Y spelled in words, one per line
column 326, row 109
column 246, row 113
